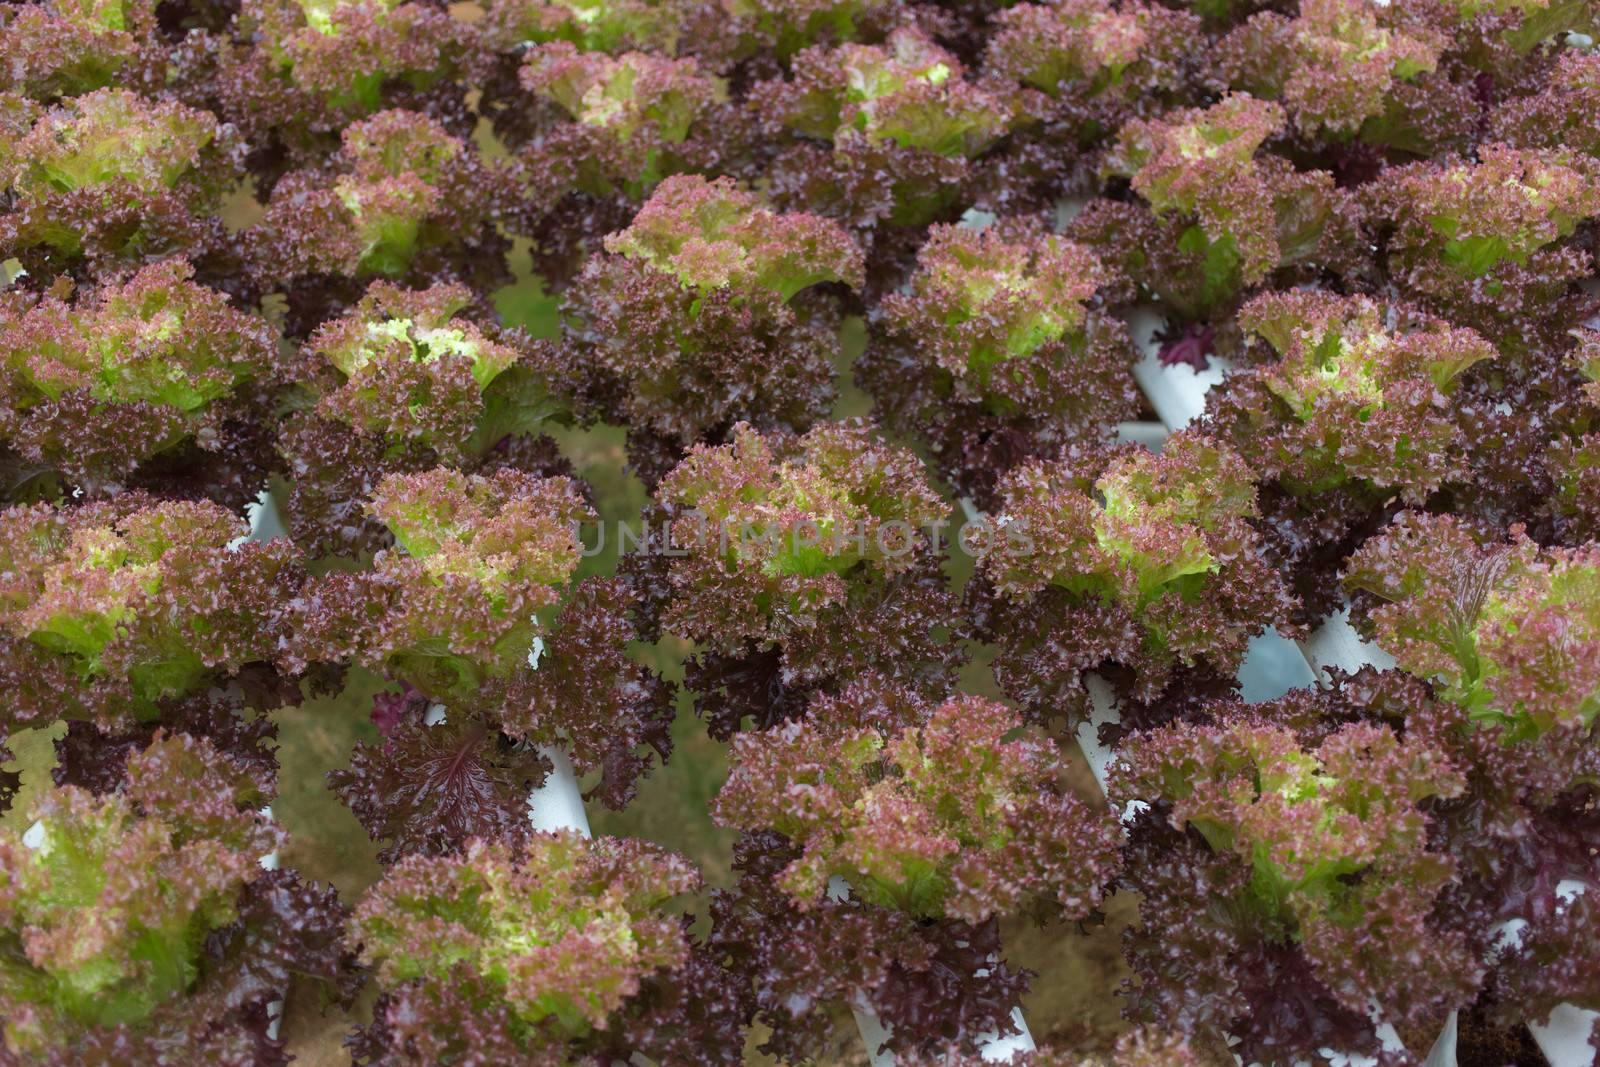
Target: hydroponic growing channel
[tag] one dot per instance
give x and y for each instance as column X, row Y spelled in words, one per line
column 478, row 386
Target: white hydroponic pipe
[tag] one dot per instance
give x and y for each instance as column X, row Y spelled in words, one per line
column 1335, row 644
column 269, row 862
column 1177, row 393
column 1564, row 1037
column 1102, row 711
column 266, row 524
column 557, row 804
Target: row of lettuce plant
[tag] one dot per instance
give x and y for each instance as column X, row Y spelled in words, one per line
column 264, row 245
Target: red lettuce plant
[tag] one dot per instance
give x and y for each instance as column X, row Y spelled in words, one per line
column 1485, row 244
column 531, row 957
column 296, row 73
column 1094, row 66
column 922, row 825
column 1125, row 559
column 1096, row 61
column 1000, row 352
column 521, row 38
column 943, row 816
column 111, row 611
column 1506, row 634
column 1553, row 963
column 149, row 381
column 1518, row 834
column 939, row 985
column 797, row 563
column 1290, row 864
column 403, row 381
column 407, row 200
column 1358, row 400
column 1504, row 629
column 1340, row 68
column 598, row 133
column 1354, row 405
column 884, row 135
column 1513, row 26
column 140, row 925
column 630, row 119
column 1202, row 164
column 1222, row 216
column 785, row 27
column 477, row 608
column 1523, row 833
column 65, row 49
column 907, row 91
column 110, row 179
column 704, row 313
column 612, row 26
column 1552, row 118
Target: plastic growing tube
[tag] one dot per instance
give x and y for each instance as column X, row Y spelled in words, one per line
column 1336, row 644
column 992, row 1048
column 557, row 804
column 1564, row 1037
column 266, row 521
column 269, row 862
column 1148, row 434
column 266, row 524
column 1103, row 710
column 1177, row 393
